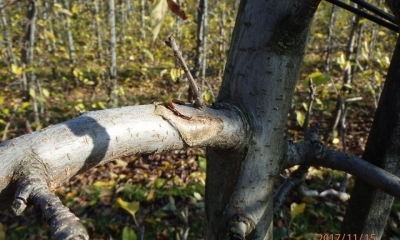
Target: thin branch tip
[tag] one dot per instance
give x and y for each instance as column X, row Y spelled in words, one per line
column 171, row 43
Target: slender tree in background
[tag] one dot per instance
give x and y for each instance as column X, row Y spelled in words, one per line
column 332, row 19
column 349, row 67
column 7, row 40
column 48, row 15
column 70, row 38
column 70, row 43
column 27, row 56
column 371, row 54
column 223, row 46
column 204, row 42
column 129, row 9
column 351, row 54
column 122, row 14
column 143, row 19
column 199, row 44
column 98, row 31
column 113, row 83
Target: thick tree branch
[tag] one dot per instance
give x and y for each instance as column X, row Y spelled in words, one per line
column 315, row 154
column 61, row 151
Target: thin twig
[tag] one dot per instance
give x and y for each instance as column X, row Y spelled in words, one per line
column 185, row 216
column 10, row 119
column 210, row 89
column 8, row 4
column 342, row 124
column 198, row 102
column 294, row 180
column 311, row 85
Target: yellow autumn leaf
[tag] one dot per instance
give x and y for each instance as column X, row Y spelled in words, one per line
column 45, row 92
column 16, row 70
column 150, row 195
column 74, row 9
column 101, row 105
column 296, row 209
column 300, row 117
column 32, row 92
column 76, row 72
column 207, row 96
column 57, row 6
column 175, row 73
column 50, row 35
column 130, row 207
column 65, row 11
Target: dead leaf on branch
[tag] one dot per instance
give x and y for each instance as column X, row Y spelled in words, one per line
column 176, row 9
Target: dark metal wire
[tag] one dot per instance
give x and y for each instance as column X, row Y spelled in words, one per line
column 375, row 10
column 366, row 15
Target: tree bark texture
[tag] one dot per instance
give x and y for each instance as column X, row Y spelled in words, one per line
column 61, row 151
column 265, row 56
column 369, row 207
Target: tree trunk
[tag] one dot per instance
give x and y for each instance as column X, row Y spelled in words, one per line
column 369, row 207
column 260, row 76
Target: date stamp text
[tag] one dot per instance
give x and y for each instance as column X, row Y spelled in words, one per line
column 337, row 236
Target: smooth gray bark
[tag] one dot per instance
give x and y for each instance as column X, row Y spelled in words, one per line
column 94, row 138
column 266, row 53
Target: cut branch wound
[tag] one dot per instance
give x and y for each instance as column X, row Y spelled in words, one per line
column 196, row 131
column 239, row 227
